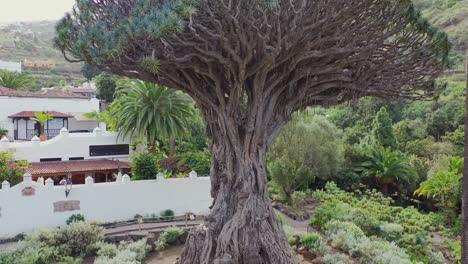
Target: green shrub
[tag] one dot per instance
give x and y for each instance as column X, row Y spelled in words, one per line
column 62, row 246
column 455, row 249
column 311, row 240
column 78, row 239
column 336, row 259
column 126, row 253
column 167, row 214
column 351, row 228
column 144, row 166
column 106, row 249
column 169, row 237
column 75, row 218
column 280, row 218
column 371, row 212
column 298, row 199
column 390, row 231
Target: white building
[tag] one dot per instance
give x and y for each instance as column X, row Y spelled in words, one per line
column 99, row 155
column 17, row 108
column 10, row 66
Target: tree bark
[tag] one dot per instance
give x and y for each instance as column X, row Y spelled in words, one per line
column 241, row 227
column 172, row 146
column 464, row 258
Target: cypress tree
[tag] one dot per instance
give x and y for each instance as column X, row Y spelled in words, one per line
column 382, row 130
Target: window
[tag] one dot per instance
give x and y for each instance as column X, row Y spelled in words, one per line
column 76, row 158
column 50, row 159
column 109, row 150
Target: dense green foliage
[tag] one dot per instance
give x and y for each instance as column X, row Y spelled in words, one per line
column 151, row 112
column 90, row 71
column 65, row 245
column 382, row 131
column 14, row 80
column 309, row 147
column 105, row 87
column 75, row 218
column 169, row 237
column 144, row 166
column 373, row 215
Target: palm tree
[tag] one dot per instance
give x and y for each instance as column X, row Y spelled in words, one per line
column 14, row 80
column 445, row 188
column 387, row 167
column 42, row 118
column 148, row 110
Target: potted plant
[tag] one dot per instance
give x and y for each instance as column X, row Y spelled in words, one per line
column 42, row 118
column 3, row 133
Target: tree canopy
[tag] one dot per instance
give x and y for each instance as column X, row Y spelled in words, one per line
column 249, row 65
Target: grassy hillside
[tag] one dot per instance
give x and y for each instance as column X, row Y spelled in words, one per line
column 33, row 41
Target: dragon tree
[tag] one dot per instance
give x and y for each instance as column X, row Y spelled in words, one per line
column 248, row 65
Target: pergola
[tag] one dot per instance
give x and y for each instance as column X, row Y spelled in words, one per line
column 27, row 115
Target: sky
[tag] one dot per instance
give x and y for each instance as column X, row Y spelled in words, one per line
column 33, row 10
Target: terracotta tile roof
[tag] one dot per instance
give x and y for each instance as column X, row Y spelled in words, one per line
column 27, row 114
column 41, row 94
column 44, row 168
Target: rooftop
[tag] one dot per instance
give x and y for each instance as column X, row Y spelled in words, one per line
column 83, row 166
column 27, row 114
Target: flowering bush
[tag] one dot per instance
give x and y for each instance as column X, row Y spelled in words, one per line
column 11, row 170
column 184, row 163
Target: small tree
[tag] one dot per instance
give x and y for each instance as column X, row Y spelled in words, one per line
column 105, row 87
column 42, row 118
column 387, row 167
column 144, row 166
column 445, row 188
column 309, row 147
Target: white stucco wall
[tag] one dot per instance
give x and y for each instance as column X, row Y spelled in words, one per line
column 13, row 105
column 64, row 146
column 103, row 202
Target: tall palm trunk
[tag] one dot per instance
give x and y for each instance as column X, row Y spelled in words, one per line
column 172, row 146
column 465, row 178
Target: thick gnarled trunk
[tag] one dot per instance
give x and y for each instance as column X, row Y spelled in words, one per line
column 242, row 227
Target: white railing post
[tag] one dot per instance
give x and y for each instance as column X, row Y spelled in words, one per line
column 160, row 177
column 97, row 132
column 40, row 180
column 35, row 141
column 89, row 180
column 27, row 177
column 64, row 132
column 125, row 179
column 49, row 183
column 193, row 175
column 4, row 143
column 5, row 185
